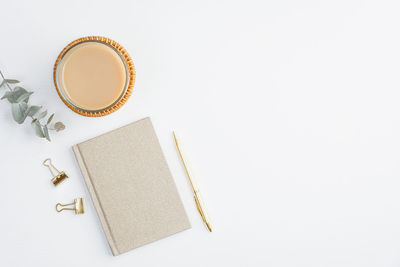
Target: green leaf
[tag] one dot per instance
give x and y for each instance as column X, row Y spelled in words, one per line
column 16, row 112
column 59, row 126
column 46, row 133
column 13, row 95
column 24, row 97
column 34, row 110
column 6, row 95
column 24, row 107
column 38, row 129
column 20, row 111
column 5, row 81
column 42, row 115
column 50, row 118
column 11, row 81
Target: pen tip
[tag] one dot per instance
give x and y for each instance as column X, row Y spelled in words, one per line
column 209, row 227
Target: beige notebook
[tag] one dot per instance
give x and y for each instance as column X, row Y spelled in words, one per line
column 131, row 186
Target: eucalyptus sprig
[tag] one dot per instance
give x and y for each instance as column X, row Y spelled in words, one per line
column 21, row 109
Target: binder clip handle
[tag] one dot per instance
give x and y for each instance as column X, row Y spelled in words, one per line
column 54, row 171
column 79, row 206
column 58, row 176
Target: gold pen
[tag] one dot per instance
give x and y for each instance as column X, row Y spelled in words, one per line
column 197, row 197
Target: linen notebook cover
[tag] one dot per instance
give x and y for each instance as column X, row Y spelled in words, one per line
column 131, row 186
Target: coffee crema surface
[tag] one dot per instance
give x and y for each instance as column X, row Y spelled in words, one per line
column 92, row 76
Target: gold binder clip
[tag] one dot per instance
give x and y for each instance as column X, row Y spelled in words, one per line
column 58, row 176
column 79, row 206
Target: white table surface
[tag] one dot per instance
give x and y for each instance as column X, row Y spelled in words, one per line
column 289, row 111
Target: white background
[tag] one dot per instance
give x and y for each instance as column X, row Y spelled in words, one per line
column 288, row 111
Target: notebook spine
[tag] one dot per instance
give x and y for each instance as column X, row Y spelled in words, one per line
column 95, row 199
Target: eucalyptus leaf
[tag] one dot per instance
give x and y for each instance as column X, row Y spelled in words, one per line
column 42, row 115
column 46, row 133
column 50, row 118
column 11, row 81
column 20, row 112
column 6, row 95
column 33, row 110
column 24, row 107
column 20, row 108
column 38, row 129
column 13, row 95
column 17, row 112
column 59, row 126
column 24, row 97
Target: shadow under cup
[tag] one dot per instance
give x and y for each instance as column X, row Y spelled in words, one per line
column 94, row 76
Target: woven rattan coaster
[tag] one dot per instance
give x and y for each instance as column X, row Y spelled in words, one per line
column 130, row 71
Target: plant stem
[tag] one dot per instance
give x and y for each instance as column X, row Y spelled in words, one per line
column 2, row 76
column 9, row 87
column 50, row 128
